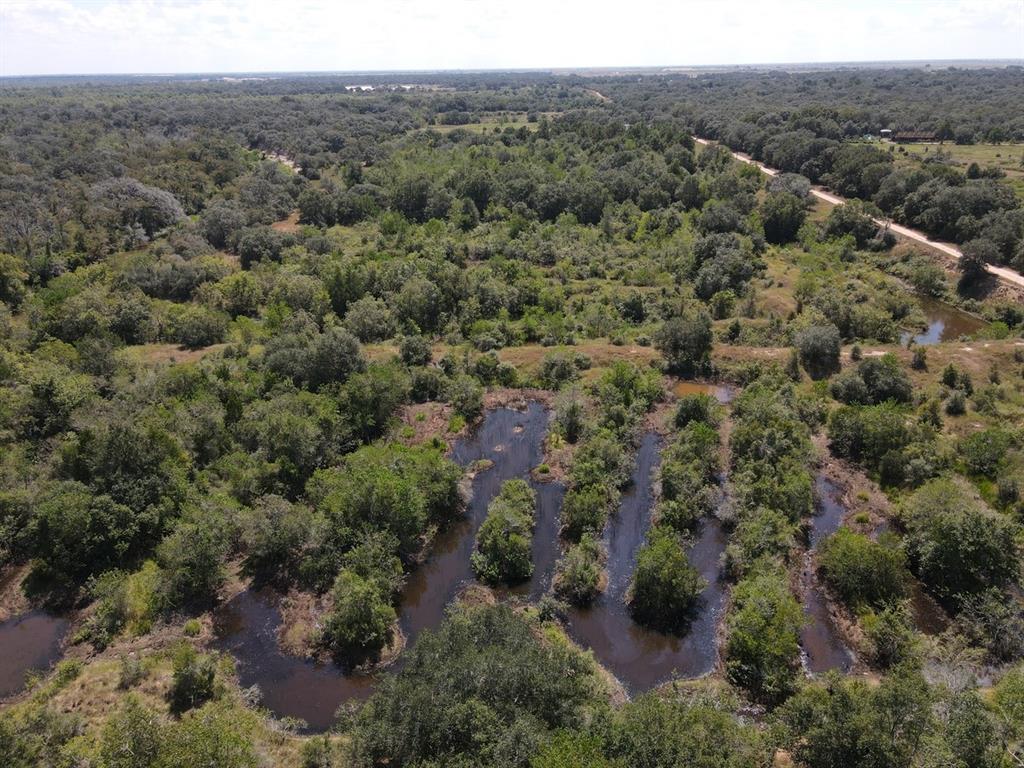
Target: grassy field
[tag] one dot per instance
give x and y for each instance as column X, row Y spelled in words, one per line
column 1008, row 157
column 488, row 122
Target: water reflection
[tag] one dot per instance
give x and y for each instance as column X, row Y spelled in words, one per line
column 30, row 641
column 292, row 687
column 822, row 646
column 642, row 658
column 945, row 323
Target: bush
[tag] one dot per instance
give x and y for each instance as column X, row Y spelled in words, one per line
column 579, row 575
column 665, row 586
column 191, row 561
column 782, row 214
column 875, row 380
column 685, row 343
column 557, row 369
column 762, row 652
column 273, row 538
column 369, row 319
column 131, row 736
column 486, row 688
column 415, row 350
column 861, row 571
column 195, row 327
column 919, row 362
column 192, row 678
column 819, row 347
column 503, row 543
column 696, row 408
column 360, row 623
column 570, row 417
column 466, row 397
column 585, row 510
column 984, row 452
column 890, row 635
column 956, row 543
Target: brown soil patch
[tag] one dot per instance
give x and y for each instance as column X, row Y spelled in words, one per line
column 290, row 224
column 422, row 421
column 504, row 397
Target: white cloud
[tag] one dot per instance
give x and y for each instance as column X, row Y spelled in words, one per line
column 92, row 36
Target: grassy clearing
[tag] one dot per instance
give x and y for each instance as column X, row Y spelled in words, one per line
column 1008, row 157
column 489, row 121
column 151, row 354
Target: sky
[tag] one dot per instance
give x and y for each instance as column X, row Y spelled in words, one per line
column 185, row 36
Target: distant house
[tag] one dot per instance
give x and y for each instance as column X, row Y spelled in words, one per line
column 885, row 133
column 914, row 137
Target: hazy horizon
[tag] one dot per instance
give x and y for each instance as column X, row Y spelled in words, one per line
column 153, row 37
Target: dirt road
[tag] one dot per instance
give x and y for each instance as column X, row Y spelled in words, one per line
column 1003, row 273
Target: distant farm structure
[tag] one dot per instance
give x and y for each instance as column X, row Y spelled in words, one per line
column 914, row 137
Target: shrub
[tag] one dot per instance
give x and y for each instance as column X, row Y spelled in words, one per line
column 466, row 397
column 195, row 327
column 762, row 651
column 890, row 635
column 665, row 586
column 874, row 381
column 819, row 347
column 983, row 452
column 956, row 405
column 919, row 362
column 585, row 509
column 698, row 407
column 862, row 571
column 956, row 543
column 360, row 623
column 415, row 350
column 685, row 343
column 485, row 689
column 369, row 319
column 192, row 678
column 579, row 575
column 557, row 369
column 131, row 736
column 503, row 543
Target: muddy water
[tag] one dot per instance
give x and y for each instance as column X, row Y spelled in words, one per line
column 641, row 658
column 822, row 647
column 945, row 323
column 292, row 687
column 246, row 627
column 723, row 393
column 31, row 641
column 513, row 440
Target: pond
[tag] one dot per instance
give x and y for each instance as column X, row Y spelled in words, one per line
column 642, row 658
column 247, row 625
column 723, row 393
column 823, row 648
column 945, row 323
column 31, row 641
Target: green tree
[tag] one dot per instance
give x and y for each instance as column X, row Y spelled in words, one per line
column 862, row 571
column 685, row 343
column 131, row 737
column 665, row 586
column 503, row 543
column 957, row 544
column 361, row 622
column 762, row 652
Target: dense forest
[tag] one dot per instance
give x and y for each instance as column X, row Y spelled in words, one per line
column 432, row 381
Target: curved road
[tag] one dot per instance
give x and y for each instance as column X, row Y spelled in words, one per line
column 1003, row 273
